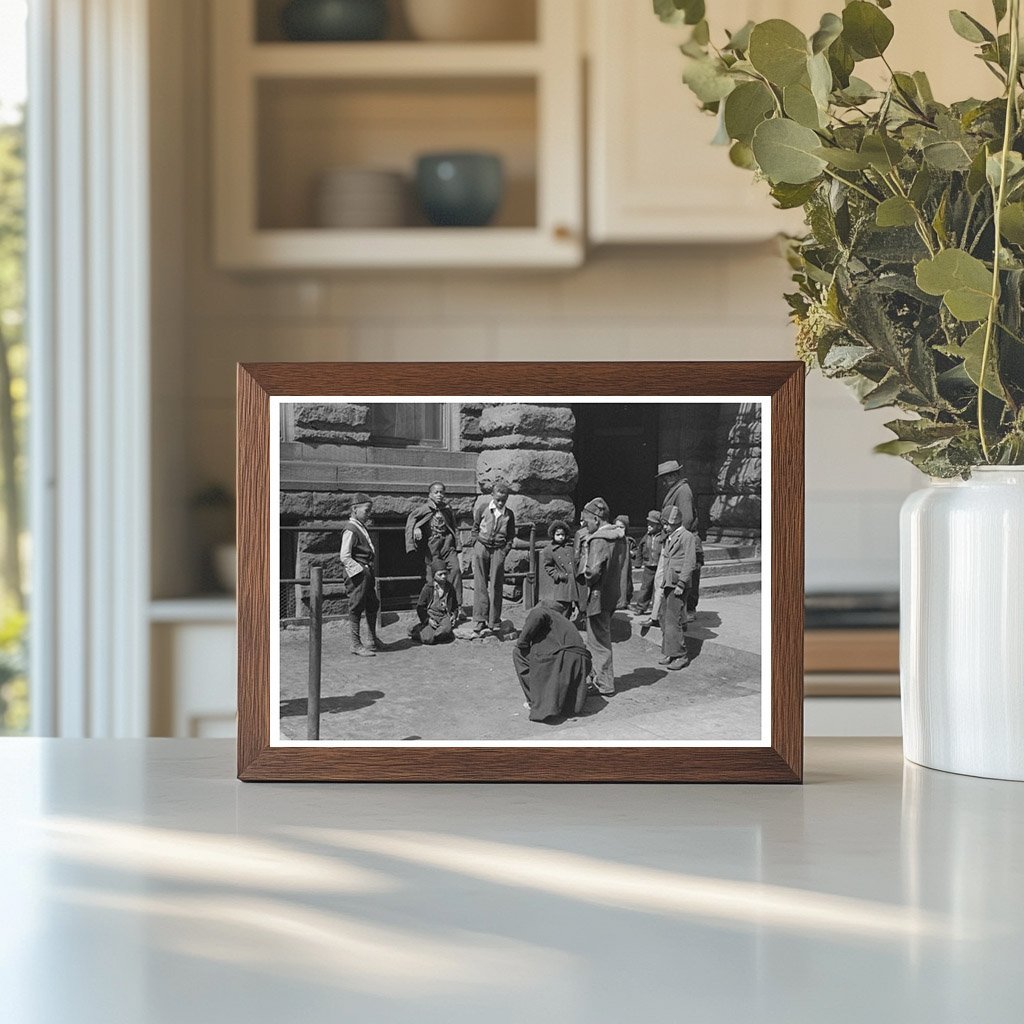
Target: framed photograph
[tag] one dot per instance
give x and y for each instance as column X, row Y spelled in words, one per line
column 562, row 572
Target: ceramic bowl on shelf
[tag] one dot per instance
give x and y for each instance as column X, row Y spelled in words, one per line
column 332, row 21
column 460, row 189
column 361, row 198
column 470, row 20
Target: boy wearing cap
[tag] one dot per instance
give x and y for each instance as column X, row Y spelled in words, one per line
column 559, row 567
column 648, row 555
column 494, row 530
column 436, row 609
column 599, row 575
column 431, row 529
column 357, row 558
column 678, row 561
column 626, row 590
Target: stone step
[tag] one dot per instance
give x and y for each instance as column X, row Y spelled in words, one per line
column 730, row 552
column 712, row 570
column 730, row 586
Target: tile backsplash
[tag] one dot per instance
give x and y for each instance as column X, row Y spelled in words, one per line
column 718, row 302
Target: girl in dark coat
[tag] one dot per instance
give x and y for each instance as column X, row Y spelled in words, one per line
column 558, row 569
column 552, row 663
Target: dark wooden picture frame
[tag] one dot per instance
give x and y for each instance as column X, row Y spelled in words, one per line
column 781, row 761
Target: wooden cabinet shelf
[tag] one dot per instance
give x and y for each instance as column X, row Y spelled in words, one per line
column 286, row 114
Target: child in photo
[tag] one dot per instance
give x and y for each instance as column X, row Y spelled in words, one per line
column 558, row 566
column 436, row 609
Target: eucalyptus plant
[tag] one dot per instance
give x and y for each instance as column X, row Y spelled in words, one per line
column 909, row 280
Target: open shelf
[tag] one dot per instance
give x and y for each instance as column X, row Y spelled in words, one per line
column 286, row 114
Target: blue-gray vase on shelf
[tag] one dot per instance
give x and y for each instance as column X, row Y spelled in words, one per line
column 461, row 190
column 333, row 21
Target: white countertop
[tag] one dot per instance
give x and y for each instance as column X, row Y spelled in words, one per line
column 142, row 884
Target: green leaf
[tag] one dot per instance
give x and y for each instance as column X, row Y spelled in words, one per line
column 707, row 80
column 778, row 50
column 739, row 41
column 789, row 197
column 923, row 431
column 1012, row 223
column 785, row 152
column 841, row 60
column 844, row 159
column 921, row 185
column 963, row 281
column 999, row 7
column 800, row 105
column 946, row 156
column 976, row 174
column 968, row 28
column 885, row 394
column 924, row 87
column 971, row 352
column 745, row 108
column 676, row 12
column 1014, row 169
column 701, row 33
column 829, row 30
column 895, row 447
column 896, row 212
column 883, row 153
column 866, row 29
column 741, row 155
column 820, row 76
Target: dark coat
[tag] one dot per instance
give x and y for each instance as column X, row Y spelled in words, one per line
column 680, row 554
column 420, row 517
column 494, row 534
column 602, row 569
column 430, row 609
column 649, row 549
column 552, row 662
column 680, row 497
column 558, row 573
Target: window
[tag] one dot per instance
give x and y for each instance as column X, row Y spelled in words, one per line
column 408, row 423
column 13, row 394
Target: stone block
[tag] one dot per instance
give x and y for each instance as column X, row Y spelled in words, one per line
column 534, row 441
column 542, row 509
column 736, row 510
column 532, row 420
column 332, row 423
column 298, row 504
column 529, row 472
column 740, row 476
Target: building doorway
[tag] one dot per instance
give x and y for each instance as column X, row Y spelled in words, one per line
column 619, row 458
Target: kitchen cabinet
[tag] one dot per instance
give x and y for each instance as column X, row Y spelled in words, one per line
column 653, row 175
column 286, row 113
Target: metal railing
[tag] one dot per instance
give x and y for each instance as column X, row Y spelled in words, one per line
column 315, row 619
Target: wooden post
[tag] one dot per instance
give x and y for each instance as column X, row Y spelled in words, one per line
column 533, row 579
column 316, row 625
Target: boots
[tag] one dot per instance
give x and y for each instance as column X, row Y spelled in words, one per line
column 357, row 641
column 375, row 642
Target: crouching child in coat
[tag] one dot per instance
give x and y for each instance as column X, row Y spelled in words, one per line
column 436, row 609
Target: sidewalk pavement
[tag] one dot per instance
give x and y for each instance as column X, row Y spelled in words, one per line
column 468, row 690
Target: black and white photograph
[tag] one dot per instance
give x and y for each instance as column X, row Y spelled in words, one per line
column 520, row 571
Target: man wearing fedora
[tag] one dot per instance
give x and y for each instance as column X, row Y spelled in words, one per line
column 679, row 493
column 602, row 555
column 357, row 558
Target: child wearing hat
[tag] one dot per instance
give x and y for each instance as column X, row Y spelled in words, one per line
column 557, row 563
column 436, row 608
column 357, row 559
column 647, row 556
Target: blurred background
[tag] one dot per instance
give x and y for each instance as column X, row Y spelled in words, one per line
column 252, row 180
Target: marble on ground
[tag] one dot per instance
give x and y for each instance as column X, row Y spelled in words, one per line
column 468, row 690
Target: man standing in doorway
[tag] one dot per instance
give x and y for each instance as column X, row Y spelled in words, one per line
column 357, row 558
column 679, row 493
column 494, row 530
column 420, row 531
column 599, row 573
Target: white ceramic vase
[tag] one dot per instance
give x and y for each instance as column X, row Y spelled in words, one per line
column 962, row 624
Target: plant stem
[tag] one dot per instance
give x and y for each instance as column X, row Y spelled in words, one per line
column 855, row 187
column 993, row 309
